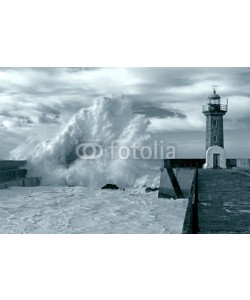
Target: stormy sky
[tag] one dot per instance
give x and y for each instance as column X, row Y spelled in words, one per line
column 39, row 102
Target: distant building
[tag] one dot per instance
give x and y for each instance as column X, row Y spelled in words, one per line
column 214, row 111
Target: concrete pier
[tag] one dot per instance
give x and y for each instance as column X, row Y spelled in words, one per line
column 219, row 202
column 223, row 202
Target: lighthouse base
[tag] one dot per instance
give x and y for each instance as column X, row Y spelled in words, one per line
column 215, row 158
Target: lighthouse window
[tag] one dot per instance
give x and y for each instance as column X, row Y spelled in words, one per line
column 215, row 122
column 215, row 138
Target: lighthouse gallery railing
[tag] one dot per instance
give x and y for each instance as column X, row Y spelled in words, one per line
column 214, row 107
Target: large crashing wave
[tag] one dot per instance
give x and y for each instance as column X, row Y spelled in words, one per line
column 108, row 119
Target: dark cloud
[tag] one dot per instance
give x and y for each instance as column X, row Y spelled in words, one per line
column 49, row 118
column 152, row 111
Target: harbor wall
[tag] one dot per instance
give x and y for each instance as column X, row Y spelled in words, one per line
column 13, row 173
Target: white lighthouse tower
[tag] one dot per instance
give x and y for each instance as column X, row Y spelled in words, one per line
column 214, row 111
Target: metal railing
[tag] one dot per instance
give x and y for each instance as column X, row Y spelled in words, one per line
column 191, row 221
column 214, row 108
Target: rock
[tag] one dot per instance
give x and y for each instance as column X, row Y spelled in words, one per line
column 166, row 196
column 110, row 186
column 149, row 189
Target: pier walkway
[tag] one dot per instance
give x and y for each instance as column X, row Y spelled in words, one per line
column 223, row 201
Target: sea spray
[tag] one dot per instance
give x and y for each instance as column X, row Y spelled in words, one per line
column 108, row 119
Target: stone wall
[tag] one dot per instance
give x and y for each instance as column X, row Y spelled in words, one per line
column 13, row 173
column 193, row 162
column 243, row 163
column 23, row 182
column 10, row 175
column 12, row 164
column 184, row 162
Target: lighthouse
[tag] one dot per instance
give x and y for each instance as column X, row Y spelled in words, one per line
column 214, row 111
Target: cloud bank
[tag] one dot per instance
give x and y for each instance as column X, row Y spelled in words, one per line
column 36, row 103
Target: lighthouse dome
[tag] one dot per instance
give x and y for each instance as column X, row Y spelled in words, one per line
column 214, row 96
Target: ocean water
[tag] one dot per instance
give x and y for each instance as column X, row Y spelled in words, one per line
column 78, row 209
column 70, row 199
